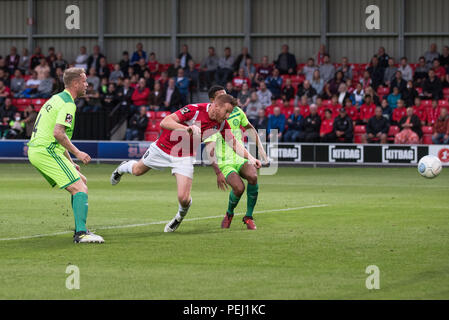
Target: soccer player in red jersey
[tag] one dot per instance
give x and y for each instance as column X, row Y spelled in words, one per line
column 181, row 136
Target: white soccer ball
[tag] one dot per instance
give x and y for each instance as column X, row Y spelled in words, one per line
column 429, row 166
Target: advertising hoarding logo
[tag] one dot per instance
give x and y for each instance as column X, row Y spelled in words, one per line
column 286, row 153
column 345, row 153
column 399, row 154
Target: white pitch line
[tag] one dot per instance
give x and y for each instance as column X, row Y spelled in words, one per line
column 161, row 222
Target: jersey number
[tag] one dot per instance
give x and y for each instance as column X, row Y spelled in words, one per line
column 35, row 125
column 185, row 110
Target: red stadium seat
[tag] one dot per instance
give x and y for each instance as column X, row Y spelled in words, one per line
column 383, row 91
column 443, row 104
column 426, row 103
column 154, row 126
column 161, row 114
column 392, row 132
column 427, row 134
column 151, row 115
column 151, row 136
column 38, row 103
column 327, row 102
column 359, row 131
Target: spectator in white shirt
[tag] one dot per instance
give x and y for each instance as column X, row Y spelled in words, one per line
column 406, row 70
column 264, row 95
column 81, row 59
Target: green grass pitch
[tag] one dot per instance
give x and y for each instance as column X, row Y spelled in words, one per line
column 388, row 217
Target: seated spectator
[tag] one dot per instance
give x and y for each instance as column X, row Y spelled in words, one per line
column 7, row 111
column 103, row 68
column 351, row 110
column 441, row 128
column 94, row 58
column 103, row 85
column 359, row 94
column 45, row 87
column 81, row 59
column 163, row 80
column 410, row 127
column 51, row 56
column 406, row 70
column 386, row 110
column 5, row 92
column 394, row 97
column 383, row 57
column 3, row 75
column 294, row 125
column 24, row 62
column 432, row 88
column 398, row 82
column 377, row 128
column 93, row 79
column 311, row 126
column 366, row 80
column 349, row 85
column 224, row 70
column 309, row 69
column 140, row 95
column 90, row 102
column 399, row 112
column 264, row 95
column 30, row 86
column 172, row 97
column 193, row 75
column 287, row 91
column 238, row 80
column 320, row 55
column 117, row 73
column 59, row 62
column 335, row 106
column 250, row 71
column 12, row 60
column 42, row 69
column 243, row 96
column 124, row 95
column 306, row 90
column 230, row 89
column 208, row 68
column 30, row 116
column 252, row 110
column 432, row 113
column 125, row 64
column 327, row 69
column 346, row 69
column 36, row 58
column 264, row 70
column 174, row 68
column 317, row 83
column 343, row 93
column 286, row 108
column 274, row 83
column 16, row 127
column 240, row 61
column 58, row 83
column 366, row 110
column 376, row 71
column 137, row 125
column 138, row 54
column 153, row 65
column 270, row 109
column 374, row 97
column 440, row 72
column 431, row 55
column 421, row 72
column 182, row 83
column 444, row 57
column 445, row 83
column 409, row 94
column 276, row 125
column 261, row 125
column 327, row 127
column 343, row 129
column 390, row 72
column 335, row 83
column 140, row 67
column 156, row 97
column 326, row 94
column 184, row 57
column 420, row 110
column 286, row 62
column 109, row 99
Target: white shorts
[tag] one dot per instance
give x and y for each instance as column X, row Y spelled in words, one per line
column 157, row 159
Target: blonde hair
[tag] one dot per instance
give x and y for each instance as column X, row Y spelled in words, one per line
column 72, row 74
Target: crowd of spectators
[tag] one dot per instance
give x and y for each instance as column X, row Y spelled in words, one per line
column 315, row 101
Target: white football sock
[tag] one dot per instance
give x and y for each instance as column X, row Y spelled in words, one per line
column 127, row 167
column 182, row 211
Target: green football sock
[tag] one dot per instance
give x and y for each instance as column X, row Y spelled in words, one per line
column 252, row 192
column 80, row 208
column 233, row 201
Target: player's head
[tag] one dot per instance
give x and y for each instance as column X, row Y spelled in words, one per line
column 75, row 81
column 215, row 91
column 222, row 107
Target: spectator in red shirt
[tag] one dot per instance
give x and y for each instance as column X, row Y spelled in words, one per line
column 140, row 96
column 36, row 58
column 320, row 55
column 441, row 128
column 366, row 110
column 440, row 71
column 351, row 110
column 238, row 81
column 264, row 70
column 420, row 110
column 286, row 109
column 399, row 112
column 270, row 109
column 5, row 92
column 335, row 106
column 153, row 64
column 432, row 113
column 327, row 127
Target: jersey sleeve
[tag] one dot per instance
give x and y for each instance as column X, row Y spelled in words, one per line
column 66, row 115
column 243, row 119
column 186, row 113
column 212, row 138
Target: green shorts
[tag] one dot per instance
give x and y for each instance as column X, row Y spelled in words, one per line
column 227, row 169
column 53, row 165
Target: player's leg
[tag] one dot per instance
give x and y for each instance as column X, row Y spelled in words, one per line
column 249, row 172
column 133, row 167
column 238, row 188
column 184, row 185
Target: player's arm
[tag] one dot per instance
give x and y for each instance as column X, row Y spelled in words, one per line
column 77, row 167
column 61, row 137
column 172, row 122
column 239, row 148
column 210, row 150
column 252, row 133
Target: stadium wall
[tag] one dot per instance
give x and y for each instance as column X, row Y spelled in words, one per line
column 406, row 26
column 282, row 153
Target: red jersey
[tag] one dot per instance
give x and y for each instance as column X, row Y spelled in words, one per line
column 432, row 115
column 352, row 113
column 367, row 112
column 420, row 111
column 440, row 72
column 398, row 114
column 305, row 111
column 269, row 110
column 327, row 125
column 153, row 66
column 335, row 109
column 180, row 143
column 287, row 111
column 238, row 82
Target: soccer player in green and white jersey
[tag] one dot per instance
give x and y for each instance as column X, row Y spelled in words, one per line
column 49, row 147
column 230, row 168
